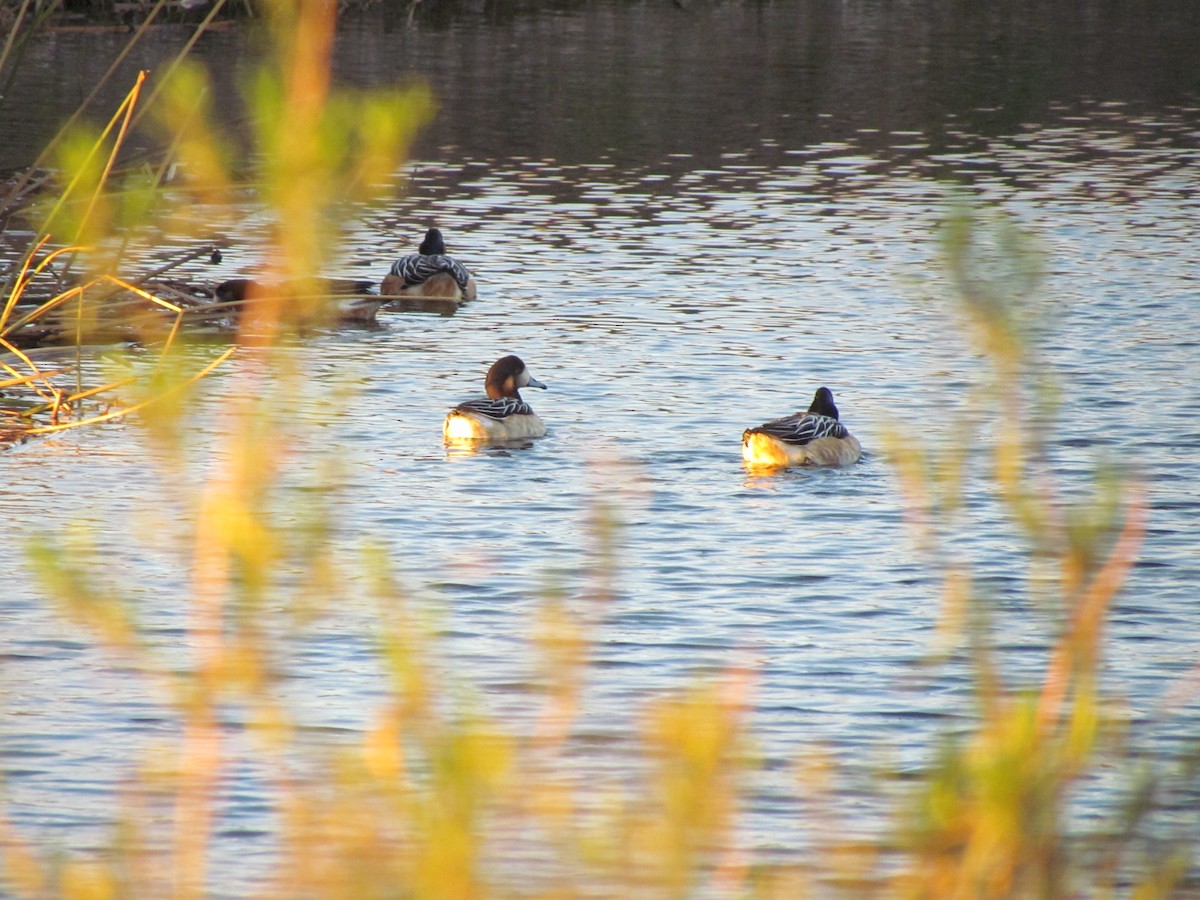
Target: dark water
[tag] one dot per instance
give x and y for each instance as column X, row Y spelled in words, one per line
column 636, row 82
column 685, row 220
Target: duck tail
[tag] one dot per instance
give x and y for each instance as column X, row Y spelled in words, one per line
column 760, row 449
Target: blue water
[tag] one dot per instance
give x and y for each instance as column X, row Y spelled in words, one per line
column 668, row 303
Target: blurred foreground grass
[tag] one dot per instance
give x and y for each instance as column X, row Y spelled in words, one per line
column 436, row 799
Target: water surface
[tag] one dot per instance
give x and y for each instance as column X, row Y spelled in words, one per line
column 685, row 222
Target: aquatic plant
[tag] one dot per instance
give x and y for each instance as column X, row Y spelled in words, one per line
column 990, row 818
column 106, row 212
column 70, row 317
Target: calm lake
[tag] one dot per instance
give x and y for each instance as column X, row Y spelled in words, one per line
column 684, row 220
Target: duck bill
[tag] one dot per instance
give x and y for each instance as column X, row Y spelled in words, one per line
column 533, row 382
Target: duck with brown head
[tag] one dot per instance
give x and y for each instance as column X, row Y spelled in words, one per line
column 815, row 437
column 429, row 272
column 502, row 415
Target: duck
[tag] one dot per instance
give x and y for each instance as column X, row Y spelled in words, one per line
column 502, row 415
column 355, row 300
column 429, row 273
column 815, row 437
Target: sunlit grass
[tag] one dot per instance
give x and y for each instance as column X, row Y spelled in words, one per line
column 102, row 302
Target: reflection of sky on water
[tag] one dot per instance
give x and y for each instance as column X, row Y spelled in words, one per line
column 671, row 291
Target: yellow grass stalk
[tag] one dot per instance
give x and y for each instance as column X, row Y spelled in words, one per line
column 123, row 116
column 165, row 77
column 29, row 379
column 138, row 34
column 1075, row 655
column 124, row 411
column 23, row 279
column 46, row 307
column 19, row 282
column 35, row 373
column 143, row 293
column 14, row 29
column 82, row 395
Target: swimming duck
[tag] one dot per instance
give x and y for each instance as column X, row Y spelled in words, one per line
column 812, row 438
column 355, row 300
column 429, row 273
column 502, row 415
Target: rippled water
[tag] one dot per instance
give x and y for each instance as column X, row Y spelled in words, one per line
column 669, row 297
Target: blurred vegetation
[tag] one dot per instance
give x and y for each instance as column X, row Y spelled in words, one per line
column 437, row 799
column 70, row 288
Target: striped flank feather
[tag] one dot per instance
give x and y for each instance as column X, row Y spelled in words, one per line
column 499, row 408
column 417, row 268
column 802, row 428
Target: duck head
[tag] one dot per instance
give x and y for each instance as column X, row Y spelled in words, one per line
column 822, row 404
column 507, row 376
column 433, row 245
